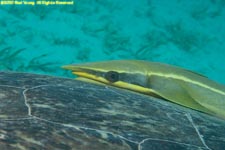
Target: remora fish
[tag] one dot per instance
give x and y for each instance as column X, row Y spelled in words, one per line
column 172, row 83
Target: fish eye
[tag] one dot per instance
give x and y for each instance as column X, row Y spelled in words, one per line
column 112, row 76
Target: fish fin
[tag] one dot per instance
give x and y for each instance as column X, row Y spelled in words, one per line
column 172, row 90
column 209, row 99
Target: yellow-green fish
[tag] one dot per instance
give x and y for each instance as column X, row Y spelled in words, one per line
column 168, row 82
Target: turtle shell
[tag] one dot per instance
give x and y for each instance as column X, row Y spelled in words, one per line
column 40, row 112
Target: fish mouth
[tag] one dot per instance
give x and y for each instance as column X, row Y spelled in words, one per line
column 84, row 72
column 71, row 67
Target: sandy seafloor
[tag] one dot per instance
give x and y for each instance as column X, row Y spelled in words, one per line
column 186, row 33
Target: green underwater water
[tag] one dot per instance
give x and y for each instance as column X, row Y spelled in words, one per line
column 186, row 33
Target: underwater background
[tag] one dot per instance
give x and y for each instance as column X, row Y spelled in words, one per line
column 186, row 33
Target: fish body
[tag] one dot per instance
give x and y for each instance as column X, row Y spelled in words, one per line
column 169, row 82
